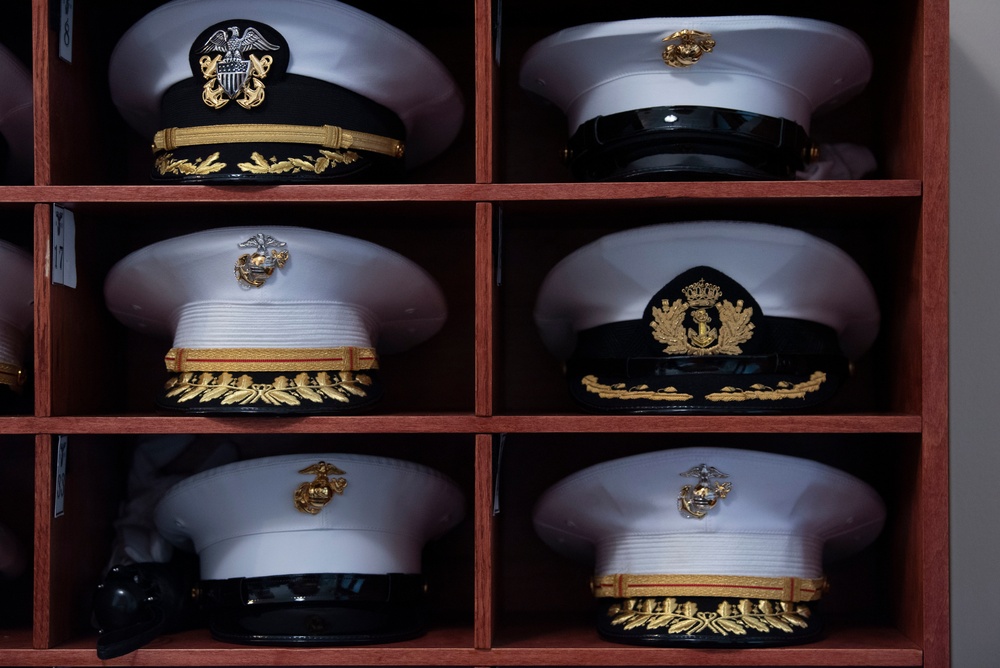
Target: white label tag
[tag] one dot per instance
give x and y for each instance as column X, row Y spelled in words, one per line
column 63, row 258
column 66, row 30
column 61, row 451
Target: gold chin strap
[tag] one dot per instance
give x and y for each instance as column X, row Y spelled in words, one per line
column 343, row 358
column 327, row 136
column 12, row 375
column 729, row 586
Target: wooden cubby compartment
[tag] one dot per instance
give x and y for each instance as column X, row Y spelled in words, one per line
column 483, row 400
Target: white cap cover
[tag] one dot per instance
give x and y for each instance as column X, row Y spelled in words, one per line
column 782, row 516
column 777, row 66
column 242, row 519
column 324, row 303
column 679, row 531
column 790, row 273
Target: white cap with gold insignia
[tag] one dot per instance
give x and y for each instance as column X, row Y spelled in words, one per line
column 707, row 315
column 274, row 319
column 312, row 549
column 730, row 96
column 738, row 535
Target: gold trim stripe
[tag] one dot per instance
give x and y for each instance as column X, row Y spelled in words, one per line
column 327, row 136
column 11, row 374
column 777, row 589
column 343, row 358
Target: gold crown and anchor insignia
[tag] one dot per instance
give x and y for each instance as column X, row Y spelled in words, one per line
column 702, row 339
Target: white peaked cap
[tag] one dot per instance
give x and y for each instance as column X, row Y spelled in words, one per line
column 333, row 291
column 328, row 41
column 776, row 66
column 16, row 112
column 790, row 273
column 782, row 517
column 242, row 521
column 16, row 303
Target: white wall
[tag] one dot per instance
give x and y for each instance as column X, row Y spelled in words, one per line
column 975, row 332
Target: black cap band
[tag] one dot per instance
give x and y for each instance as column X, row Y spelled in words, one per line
column 660, row 143
column 313, row 588
column 316, row 609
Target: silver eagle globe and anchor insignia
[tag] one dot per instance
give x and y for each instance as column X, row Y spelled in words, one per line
column 253, row 269
column 311, row 497
column 702, row 339
column 696, row 500
column 231, row 76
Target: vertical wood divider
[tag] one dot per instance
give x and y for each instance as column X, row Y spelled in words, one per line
column 485, row 548
column 485, row 91
column 40, row 78
column 41, row 636
column 933, row 498
column 485, row 312
column 42, row 374
column 485, row 72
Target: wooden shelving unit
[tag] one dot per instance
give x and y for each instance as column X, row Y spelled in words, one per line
column 483, row 401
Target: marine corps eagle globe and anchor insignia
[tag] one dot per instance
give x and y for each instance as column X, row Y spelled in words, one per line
column 253, row 269
column 311, row 497
column 695, row 501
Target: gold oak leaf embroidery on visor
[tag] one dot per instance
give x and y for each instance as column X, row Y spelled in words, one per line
column 728, row 618
column 227, row 389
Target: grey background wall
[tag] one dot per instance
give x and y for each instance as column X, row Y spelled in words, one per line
column 975, row 332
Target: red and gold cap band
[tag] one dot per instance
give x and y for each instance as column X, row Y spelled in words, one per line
column 343, row 358
column 777, row 589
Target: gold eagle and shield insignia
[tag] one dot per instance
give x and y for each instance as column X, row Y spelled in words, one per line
column 687, row 47
column 229, row 75
column 695, row 501
column 311, row 497
column 701, row 335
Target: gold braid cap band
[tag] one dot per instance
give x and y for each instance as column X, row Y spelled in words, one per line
column 344, row 358
column 327, row 136
column 12, row 375
column 778, row 589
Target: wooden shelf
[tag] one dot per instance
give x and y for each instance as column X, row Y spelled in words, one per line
column 488, row 219
column 534, row 644
column 466, row 424
column 458, row 192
